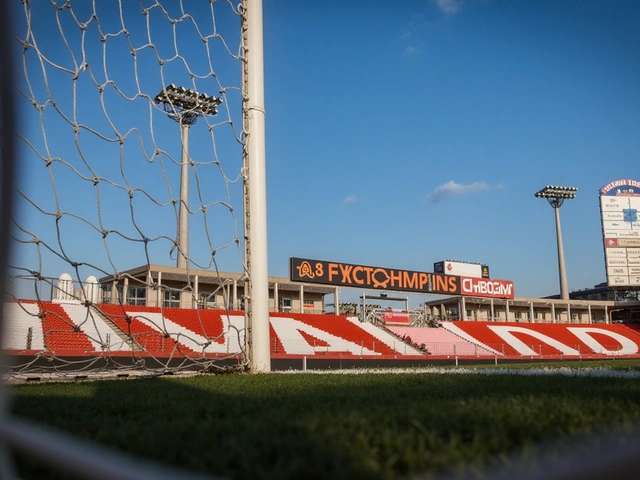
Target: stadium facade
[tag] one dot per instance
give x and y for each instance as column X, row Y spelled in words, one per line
column 163, row 286
column 600, row 304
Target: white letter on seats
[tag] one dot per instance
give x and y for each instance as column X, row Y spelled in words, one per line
column 505, row 333
column 629, row 347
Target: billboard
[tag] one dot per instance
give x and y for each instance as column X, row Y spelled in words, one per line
column 463, row 269
column 483, row 287
column 619, row 205
column 396, row 318
column 375, row 278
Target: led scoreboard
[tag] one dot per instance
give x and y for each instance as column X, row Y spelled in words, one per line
column 619, row 206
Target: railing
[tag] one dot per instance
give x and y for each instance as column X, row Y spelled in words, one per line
column 461, row 350
column 416, row 317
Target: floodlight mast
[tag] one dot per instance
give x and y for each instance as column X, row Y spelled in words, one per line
column 185, row 106
column 556, row 196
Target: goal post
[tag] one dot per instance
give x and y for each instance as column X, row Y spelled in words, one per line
column 100, row 168
column 256, row 192
column 111, row 188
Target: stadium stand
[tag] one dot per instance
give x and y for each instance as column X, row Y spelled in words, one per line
column 382, row 334
column 146, row 336
column 72, row 329
column 440, row 341
column 24, row 319
column 308, row 334
column 60, row 332
column 517, row 339
column 99, row 333
column 343, row 334
column 204, row 323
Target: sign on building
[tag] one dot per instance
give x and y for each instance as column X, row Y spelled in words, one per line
column 619, row 206
column 463, row 269
column 368, row 277
column 484, row 287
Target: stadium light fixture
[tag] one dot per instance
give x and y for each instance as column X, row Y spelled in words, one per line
column 185, row 106
column 556, row 196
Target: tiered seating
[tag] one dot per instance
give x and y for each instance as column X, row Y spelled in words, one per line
column 631, row 329
column 289, row 328
column 60, row 332
column 275, row 344
column 72, row 329
column 439, row 341
column 205, row 323
column 537, row 339
column 398, row 346
column 337, row 333
column 482, row 331
column 147, row 337
column 19, row 317
column 98, row 332
column 183, row 336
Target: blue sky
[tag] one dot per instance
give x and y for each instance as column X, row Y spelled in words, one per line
column 399, row 134
column 405, row 133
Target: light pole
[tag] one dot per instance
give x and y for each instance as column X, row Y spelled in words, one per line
column 556, row 196
column 185, row 106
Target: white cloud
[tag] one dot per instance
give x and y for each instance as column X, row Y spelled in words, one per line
column 407, row 35
column 411, row 50
column 452, row 189
column 449, row 6
column 349, row 199
column 411, row 35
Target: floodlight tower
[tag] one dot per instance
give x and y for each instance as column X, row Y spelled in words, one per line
column 556, row 196
column 185, row 106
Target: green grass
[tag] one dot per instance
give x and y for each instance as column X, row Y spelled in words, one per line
column 610, row 364
column 365, row 426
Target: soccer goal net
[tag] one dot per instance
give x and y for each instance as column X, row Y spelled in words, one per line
column 136, row 208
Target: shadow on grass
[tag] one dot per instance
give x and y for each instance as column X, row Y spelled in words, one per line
column 311, row 426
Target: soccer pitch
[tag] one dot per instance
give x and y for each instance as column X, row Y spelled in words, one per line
column 359, row 424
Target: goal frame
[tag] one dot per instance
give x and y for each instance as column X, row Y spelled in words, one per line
column 62, row 450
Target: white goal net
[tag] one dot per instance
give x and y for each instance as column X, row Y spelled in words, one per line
column 130, row 233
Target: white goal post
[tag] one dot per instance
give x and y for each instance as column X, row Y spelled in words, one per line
column 125, row 107
column 95, row 177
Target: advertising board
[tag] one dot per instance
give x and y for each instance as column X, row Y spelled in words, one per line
column 619, row 205
column 376, row 278
column 466, row 269
column 484, row 287
column 396, row 318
